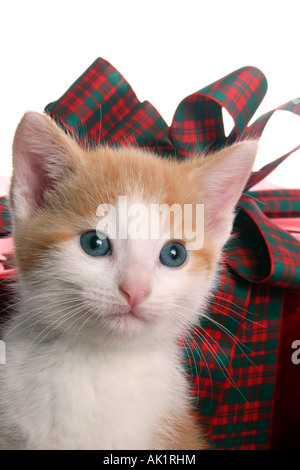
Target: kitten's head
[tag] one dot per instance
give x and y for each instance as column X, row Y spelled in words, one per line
column 111, row 242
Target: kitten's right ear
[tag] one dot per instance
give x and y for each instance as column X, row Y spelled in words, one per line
column 220, row 179
column 42, row 157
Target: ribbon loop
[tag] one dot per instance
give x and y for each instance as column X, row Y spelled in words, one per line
column 261, row 251
column 198, row 123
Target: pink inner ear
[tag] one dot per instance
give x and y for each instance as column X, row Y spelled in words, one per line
column 223, row 187
column 34, row 177
column 40, row 159
column 226, row 197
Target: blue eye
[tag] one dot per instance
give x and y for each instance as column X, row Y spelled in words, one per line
column 173, row 254
column 93, row 245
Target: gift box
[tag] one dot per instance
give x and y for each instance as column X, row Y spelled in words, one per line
column 238, row 362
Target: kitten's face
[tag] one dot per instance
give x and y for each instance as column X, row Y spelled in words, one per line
column 130, row 286
column 115, row 283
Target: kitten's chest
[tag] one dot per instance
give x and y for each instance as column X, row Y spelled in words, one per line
column 104, row 401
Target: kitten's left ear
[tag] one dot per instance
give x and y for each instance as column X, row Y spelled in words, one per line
column 43, row 155
column 220, row 180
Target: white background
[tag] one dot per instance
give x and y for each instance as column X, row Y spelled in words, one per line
column 165, row 49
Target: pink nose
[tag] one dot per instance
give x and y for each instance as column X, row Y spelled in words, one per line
column 135, row 293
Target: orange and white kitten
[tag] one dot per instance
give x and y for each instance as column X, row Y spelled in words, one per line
column 92, row 355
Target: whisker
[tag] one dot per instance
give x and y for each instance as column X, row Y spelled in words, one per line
column 70, row 312
column 217, row 358
column 36, row 312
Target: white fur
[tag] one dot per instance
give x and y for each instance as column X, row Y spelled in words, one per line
column 70, row 397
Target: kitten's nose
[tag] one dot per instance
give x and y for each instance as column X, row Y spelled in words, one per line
column 134, row 293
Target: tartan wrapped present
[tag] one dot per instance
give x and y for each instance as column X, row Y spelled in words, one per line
column 236, row 361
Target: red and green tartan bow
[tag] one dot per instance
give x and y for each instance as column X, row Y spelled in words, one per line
column 232, row 358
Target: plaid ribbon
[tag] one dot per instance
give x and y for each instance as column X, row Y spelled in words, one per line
column 231, row 358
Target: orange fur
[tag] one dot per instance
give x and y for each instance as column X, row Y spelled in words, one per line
column 179, row 432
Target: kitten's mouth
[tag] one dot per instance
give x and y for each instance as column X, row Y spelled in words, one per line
column 130, row 315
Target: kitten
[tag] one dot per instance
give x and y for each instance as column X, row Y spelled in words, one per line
column 92, row 358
